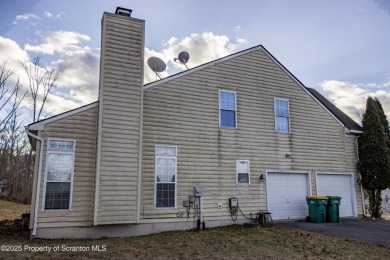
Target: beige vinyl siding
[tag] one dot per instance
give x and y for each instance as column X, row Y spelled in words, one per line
column 184, row 112
column 120, row 96
column 81, row 127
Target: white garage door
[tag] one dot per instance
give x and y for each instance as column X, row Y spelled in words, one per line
column 286, row 195
column 337, row 185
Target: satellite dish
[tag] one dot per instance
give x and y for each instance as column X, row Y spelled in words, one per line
column 157, row 65
column 183, row 58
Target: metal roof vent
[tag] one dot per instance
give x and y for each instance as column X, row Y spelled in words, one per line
column 123, row 11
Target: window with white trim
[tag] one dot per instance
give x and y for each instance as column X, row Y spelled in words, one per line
column 227, row 108
column 59, row 174
column 282, row 116
column 165, row 176
column 243, row 172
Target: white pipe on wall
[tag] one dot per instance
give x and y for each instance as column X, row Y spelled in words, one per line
column 34, row 231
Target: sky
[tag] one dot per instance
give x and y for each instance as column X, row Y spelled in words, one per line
column 340, row 48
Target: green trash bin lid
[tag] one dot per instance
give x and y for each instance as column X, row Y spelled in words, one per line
column 334, row 200
column 334, row 197
column 317, row 197
column 316, row 200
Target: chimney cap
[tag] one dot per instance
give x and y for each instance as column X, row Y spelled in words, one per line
column 123, row 11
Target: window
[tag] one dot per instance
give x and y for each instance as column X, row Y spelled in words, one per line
column 282, row 116
column 243, row 172
column 165, row 169
column 59, row 174
column 227, row 108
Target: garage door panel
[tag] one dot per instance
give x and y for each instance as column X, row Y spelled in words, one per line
column 337, row 185
column 286, row 195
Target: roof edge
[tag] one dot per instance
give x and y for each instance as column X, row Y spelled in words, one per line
column 40, row 125
column 350, row 124
column 202, row 66
column 301, row 85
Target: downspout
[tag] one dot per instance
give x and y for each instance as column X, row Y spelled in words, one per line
column 34, row 231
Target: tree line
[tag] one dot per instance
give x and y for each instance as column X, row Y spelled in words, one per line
column 19, row 106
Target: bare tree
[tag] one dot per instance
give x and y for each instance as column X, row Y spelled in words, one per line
column 15, row 162
column 41, row 82
column 9, row 101
column 16, row 155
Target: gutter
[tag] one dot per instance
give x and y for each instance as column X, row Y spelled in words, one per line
column 34, row 231
column 347, row 131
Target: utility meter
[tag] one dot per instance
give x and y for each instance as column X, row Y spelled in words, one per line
column 233, row 203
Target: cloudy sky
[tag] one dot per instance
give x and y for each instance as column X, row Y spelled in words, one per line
column 341, row 48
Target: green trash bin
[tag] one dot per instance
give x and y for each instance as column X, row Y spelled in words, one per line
column 333, row 209
column 317, row 208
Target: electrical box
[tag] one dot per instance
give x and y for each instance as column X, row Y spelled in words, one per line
column 191, row 199
column 186, row 203
column 198, row 191
column 219, row 205
column 233, row 203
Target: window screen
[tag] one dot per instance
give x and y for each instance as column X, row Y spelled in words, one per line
column 165, row 171
column 282, row 116
column 227, row 107
column 59, row 171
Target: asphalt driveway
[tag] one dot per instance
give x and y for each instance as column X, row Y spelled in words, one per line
column 374, row 231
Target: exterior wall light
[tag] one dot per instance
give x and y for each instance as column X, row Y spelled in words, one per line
column 262, row 178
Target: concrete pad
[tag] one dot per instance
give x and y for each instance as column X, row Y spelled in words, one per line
column 373, row 231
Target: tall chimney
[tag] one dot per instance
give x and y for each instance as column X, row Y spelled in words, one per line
column 120, row 118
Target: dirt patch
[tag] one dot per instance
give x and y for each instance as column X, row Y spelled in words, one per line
column 14, row 232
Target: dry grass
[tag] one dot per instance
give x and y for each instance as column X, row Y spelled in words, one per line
column 234, row 242
column 11, row 210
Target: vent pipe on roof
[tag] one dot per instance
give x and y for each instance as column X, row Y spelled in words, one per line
column 123, row 11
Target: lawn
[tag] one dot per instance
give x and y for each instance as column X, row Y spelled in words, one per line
column 233, row 242
column 11, row 210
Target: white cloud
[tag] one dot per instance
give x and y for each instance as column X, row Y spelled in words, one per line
column 202, row 48
column 79, row 72
column 340, row 89
column 11, row 53
column 57, row 104
column 26, row 17
column 58, row 42
column 351, row 98
column 48, row 14
column 78, row 75
column 51, row 15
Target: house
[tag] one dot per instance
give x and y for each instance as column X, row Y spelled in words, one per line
column 386, row 201
column 240, row 133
